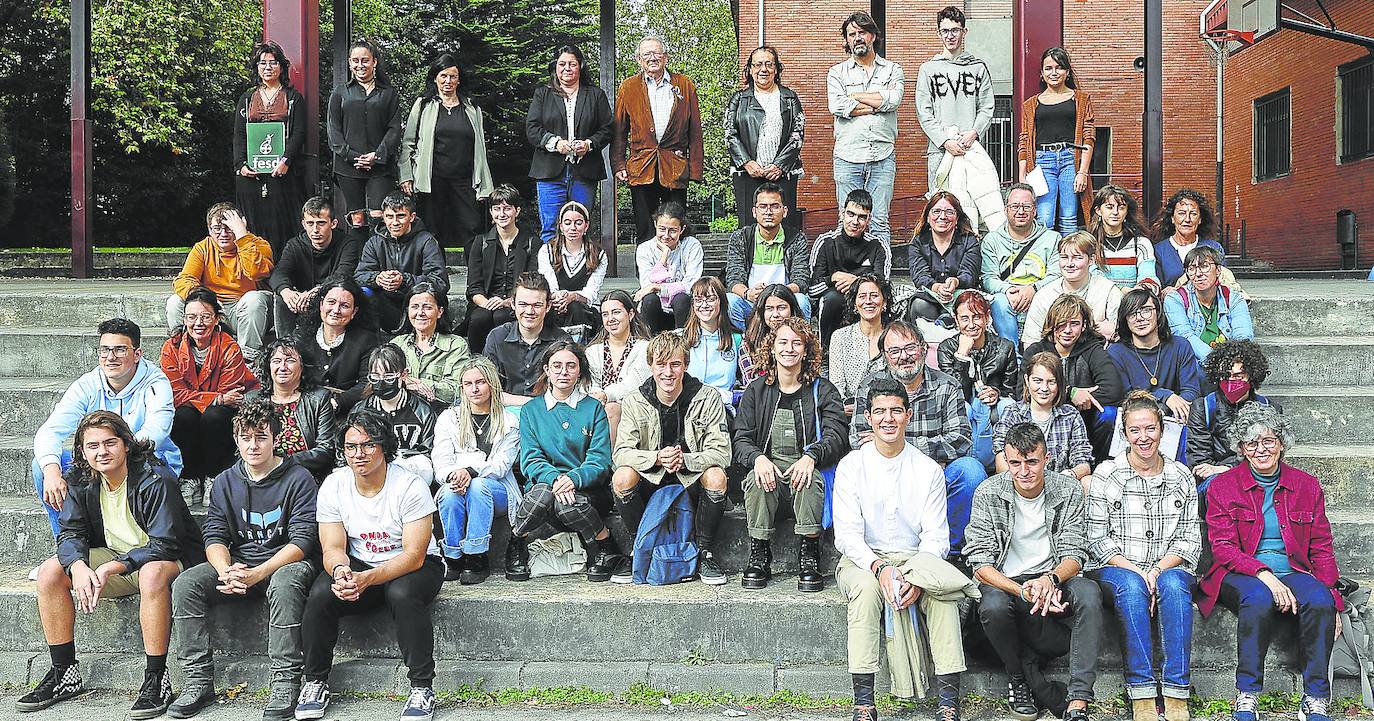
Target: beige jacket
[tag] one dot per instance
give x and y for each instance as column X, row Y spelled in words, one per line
column 638, row 439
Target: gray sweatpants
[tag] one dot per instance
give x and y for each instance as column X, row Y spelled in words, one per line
column 194, row 592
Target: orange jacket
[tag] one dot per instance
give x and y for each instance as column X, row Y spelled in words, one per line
column 223, row 370
column 652, row 160
column 229, row 277
column 1084, row 133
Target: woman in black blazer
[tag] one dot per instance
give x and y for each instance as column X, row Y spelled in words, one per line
column 495, row 260
column 567, row 165
column 764, row 125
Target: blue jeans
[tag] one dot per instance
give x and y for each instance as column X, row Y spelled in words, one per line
column 962, row 478
column 66, row 462
column 467, row 517
column 1007, row 322
column 875, row 177
column 980, row 419
column 740, row 308
column 553, row 194
column 1125, row 591
column 1059, row 171
column 1255, row 621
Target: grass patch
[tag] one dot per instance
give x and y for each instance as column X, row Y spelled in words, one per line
column 66, row 251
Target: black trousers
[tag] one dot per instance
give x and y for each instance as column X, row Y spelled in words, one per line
column 410, row 598
column 206, row 439
column 480, row 323
column 659, row 320
column 744, row 186
column 646, row 199
column 363, row 193
column 831, row 312
column 450, row 211
column 578, row 313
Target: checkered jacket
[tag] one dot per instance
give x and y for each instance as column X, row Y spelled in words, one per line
column 994, row 508
column 1143, row 519
column 939, row 424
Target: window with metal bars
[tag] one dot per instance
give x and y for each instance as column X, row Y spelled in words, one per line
column 1272, row 152
column 1000, row 141
column 1357, row 109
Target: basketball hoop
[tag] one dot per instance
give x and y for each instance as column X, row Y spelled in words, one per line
column 1225, row 35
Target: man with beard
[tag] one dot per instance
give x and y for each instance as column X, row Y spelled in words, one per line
column 865, row 92
column 939, row 425
column 310, row 260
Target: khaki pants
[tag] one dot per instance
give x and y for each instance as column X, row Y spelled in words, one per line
column 761, row 507
column 125, row 584
column 942, row 589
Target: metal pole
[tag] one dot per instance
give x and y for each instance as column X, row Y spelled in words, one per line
column 1152, row 126
column 1221, row 180
column 83, row 218
column 608, row 187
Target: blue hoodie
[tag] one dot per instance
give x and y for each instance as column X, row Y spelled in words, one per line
column 145, row 404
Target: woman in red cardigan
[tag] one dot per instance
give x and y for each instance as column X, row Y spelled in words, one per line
column 1272, row 559
column 209, row 378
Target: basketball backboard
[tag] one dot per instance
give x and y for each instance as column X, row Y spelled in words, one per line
column 1260, row 17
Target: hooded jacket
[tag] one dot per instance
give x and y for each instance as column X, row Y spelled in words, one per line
column 416, row 254
column 1088, row 365
column 953, row 92
column 1039, row 268
column 145, row 404
column 754, row 422
column 223, row 370
column 705, row 435
column 157, row 507
column 255, row 519
column 739, row 257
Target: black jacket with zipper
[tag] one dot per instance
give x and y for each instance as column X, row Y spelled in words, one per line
column 316, row 418
column 754, row 421
column 157, row 506
column 994, row 364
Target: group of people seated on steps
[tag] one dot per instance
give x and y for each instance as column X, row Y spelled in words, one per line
column 1117, row 413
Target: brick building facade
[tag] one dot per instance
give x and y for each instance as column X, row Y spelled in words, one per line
column 1104, row 39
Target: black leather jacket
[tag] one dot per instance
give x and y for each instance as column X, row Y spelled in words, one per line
column 754, row 422
column 994, row 364
column 744, row 120
column 157, row 506
column 315, row 417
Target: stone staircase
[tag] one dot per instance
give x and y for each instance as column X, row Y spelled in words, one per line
column 565, row 632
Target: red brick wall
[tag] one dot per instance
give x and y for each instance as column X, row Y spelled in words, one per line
column 1317, row 186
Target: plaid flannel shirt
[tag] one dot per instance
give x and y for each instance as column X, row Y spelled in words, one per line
column 992, row 517
column 939, row 424
column 1066, row 444
column 1143, row 519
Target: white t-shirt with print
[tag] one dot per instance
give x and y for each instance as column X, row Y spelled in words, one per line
column 374, row 525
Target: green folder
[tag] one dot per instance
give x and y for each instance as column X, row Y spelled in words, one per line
column 266, row 145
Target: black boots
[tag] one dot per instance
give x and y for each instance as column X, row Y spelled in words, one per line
column 631, row 510
column 476, row 568
column 809, row 576
column 709, row 513
column 604, row 560
column 517, row 559
column 758, row 572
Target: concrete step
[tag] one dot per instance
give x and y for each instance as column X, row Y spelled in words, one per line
column 559, row 632
column 1328, row 307
column 1326, row 414
column 1346, row 472
column 62, row 351
column 1320, row 359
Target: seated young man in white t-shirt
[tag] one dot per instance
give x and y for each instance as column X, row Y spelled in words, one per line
column 377, row 538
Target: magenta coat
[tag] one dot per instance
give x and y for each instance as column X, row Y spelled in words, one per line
column 1235, row 523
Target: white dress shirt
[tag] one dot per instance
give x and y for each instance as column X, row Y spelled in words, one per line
column 889, row 505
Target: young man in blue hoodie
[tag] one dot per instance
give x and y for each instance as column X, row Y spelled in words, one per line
column 260, row 538
column 124, row 382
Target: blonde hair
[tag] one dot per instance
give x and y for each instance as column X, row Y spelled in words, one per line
column 665, row 345
column 1083, row 242
column 462, row 407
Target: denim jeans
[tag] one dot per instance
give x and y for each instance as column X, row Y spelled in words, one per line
column 1125, row 591
column 1061, row 202
column 962, row 478
column 1006, row 321
column 65, row 461
column 875, row 177
column 740, row 307
column 193, row 593
column 467, row 517
column 980, row 418
column 1256, row 617
column 554, row 193
column 1020, row 638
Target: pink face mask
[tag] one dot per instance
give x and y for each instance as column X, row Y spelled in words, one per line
column 1234, row 390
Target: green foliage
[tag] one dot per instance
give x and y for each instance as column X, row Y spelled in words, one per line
column 7, row 179
column 725, row 224
column 700, row 35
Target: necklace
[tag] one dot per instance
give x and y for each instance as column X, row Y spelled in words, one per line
column 1154, row 375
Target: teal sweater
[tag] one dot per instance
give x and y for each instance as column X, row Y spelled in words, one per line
column 575, row 441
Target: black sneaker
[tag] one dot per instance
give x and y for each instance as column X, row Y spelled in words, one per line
column 864, row 713
column 623, row 573
column 453, row 568
column 604, row 564
column 59, row 684
column 517, row 559
column 1076, row 714
column 475, row 570
column 709, row 571
column 191, row 700
column 1020, row 701
column 281, row 704
column 154, row 697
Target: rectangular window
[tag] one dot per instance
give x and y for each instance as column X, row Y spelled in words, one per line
column 1272, row 157
column 1357, row 109
column 1101, row 167
column 1001, row 141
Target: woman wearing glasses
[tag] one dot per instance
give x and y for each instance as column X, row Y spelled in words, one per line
column 712, row 344
column 946, row 258
column 1205, row 312
column 1151, row 359
column 764, row 125
column 411, row 416
column 267, row 186
column 1272, row 559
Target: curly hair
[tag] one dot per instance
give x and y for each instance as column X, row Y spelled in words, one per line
column 257, row 414
column 1217, row 365
column 851, row 313
column 263, row 365
column 811, row 359
column 1252, row 416
column 1163, row 226
column 138, row 451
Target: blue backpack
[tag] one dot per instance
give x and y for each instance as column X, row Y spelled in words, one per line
column 664, row 552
